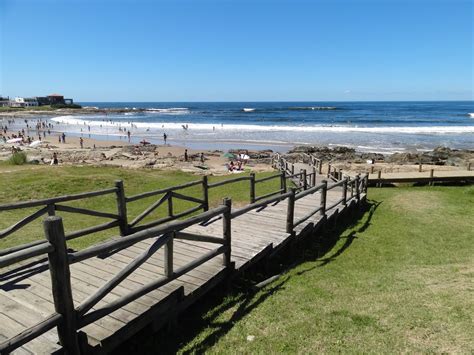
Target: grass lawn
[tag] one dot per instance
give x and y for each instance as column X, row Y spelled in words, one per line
column 399, row 280
column 25, row 182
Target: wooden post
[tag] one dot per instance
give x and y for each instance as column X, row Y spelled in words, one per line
column 329, row 169
column 169, row 257
column 379, row 178
column 227, row 232
column 305, row 180
column 252, row 187
column 121, row 208
column 339, row 174
column 320, row 167
column 431, row 177
column 61, row 284
column 372, row 169
column 283, row 181
column 420, row 167
column 366, row 183
column 322, row 204
column 51, row 210
column 344, row 191
column 290, row 212
column 205, row 193
column 292, row 169
column 286, row 166
column 357, row 181
column 313, row 183
column 170, row 204
column 469, row 166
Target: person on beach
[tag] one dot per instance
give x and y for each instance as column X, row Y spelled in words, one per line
column 185, row 155
column 63, row 136
column 128, row 135
column 54, row 159
column 81, row 142
column 165, row 137
column 202, row 157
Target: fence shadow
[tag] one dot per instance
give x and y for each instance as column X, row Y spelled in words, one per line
column 243, row 297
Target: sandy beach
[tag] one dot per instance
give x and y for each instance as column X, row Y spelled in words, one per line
column 123, row 154
column 116, row 150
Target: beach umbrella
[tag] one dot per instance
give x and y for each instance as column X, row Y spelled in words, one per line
column 15, row 140
column 35, row 144
column 229, row 155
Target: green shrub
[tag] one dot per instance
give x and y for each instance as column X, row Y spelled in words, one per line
column 66, row 106
column 18, row 158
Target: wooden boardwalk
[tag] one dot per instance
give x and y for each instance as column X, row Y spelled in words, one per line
column 430, row 177
column 26, row 296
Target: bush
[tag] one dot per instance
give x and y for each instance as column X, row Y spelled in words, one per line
column 66, row 106
column 18, row 158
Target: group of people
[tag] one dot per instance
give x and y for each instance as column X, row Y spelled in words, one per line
column 201, row 156
column 237, row 166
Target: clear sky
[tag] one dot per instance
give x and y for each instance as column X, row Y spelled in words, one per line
column 220, row 50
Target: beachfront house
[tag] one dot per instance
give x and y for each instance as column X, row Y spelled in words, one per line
column 24, row 102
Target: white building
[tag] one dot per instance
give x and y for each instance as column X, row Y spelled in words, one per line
column 23, row 102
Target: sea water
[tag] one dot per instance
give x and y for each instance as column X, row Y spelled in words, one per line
column 366, row 126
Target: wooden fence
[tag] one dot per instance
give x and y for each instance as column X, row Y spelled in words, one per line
column 69, row 319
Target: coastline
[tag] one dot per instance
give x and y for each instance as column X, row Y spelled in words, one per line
column 368, row 127
column 106, row 142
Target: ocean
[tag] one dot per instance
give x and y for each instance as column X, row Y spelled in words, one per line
column 384, row 127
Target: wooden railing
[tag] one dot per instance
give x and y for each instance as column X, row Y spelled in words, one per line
column 49, row 206
column 69, row 319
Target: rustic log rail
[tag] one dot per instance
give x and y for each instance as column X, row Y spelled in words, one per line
column 70, row 320
column 162, row 233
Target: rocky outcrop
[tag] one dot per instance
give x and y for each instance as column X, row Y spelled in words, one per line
column 438, row 156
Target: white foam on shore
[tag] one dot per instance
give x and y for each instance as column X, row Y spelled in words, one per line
column 73, row 120
column 169, row 111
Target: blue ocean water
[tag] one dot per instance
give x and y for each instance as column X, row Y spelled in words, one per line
column 367, row 126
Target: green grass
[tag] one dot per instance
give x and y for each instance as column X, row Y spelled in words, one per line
column 398, row 281
column 22, row 183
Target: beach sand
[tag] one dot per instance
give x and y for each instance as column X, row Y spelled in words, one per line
column 123, row 154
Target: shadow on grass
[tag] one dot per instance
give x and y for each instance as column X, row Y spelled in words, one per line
column 243, row 298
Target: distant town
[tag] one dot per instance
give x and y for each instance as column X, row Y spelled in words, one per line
column 53, row 100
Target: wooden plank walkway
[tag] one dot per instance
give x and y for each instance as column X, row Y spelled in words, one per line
column 26, row 295
column 422, row 177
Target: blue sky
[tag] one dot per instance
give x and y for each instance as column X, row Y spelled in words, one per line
column 220, row 50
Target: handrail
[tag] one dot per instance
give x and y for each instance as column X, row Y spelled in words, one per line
column 268, row 178
column 162, row 191
column 335, row 204
column 309, row 191
column 339, row 183
column 24, row 254
column 30, row 333
column 49, row 201
column 255, row 205
column 128, row 240
column 228, row 181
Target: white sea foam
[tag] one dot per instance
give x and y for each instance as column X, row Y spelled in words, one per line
column 471, row 115
column 248, row 109
column 75, row 120
column 169, row 111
